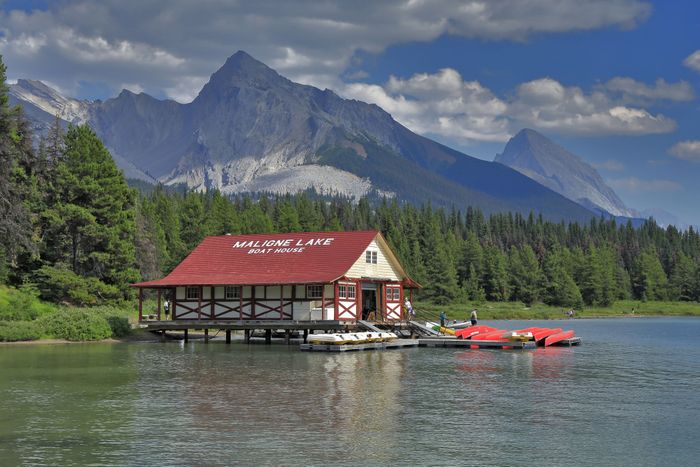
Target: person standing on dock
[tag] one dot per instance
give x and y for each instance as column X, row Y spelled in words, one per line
column 443, row 318
column 473, row 317
column 409, row 309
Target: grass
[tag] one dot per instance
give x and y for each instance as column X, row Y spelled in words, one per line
column 517, row 310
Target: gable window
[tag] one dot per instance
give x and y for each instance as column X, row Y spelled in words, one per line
column 371, row 257
column 192, row 293
column 232, row 292
column 314, row 291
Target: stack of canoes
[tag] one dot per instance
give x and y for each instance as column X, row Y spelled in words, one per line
column 350, row 338
column 542, row 336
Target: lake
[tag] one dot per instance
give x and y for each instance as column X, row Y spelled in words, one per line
column 629, row 395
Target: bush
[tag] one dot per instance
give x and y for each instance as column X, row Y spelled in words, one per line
column 75, row 324
column 116, row 317
column 12, row 331
column 61, row 285
column 21, row 304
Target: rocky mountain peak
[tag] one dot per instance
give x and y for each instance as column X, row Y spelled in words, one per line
column 543, row 160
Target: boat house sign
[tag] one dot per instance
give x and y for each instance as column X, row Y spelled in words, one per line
column 288, row 245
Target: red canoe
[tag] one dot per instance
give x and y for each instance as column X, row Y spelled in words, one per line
column 496, row 335
column 543, row 333
column 558, row 337
column 466, row 333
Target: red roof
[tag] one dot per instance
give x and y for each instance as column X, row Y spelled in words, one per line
column 291, row 258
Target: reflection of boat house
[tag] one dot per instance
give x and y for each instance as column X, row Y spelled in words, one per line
column 340, row 276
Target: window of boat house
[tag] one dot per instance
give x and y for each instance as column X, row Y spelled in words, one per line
column 232, row 292
column 371, row 257
column 393, row 294
column 346, row 292
column 314, row 291
column 192, row 293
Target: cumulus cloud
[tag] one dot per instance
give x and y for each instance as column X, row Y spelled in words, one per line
column 637, row 185
column 444, row 104
column 687, row 150
column 693, row 61
column 158, row 43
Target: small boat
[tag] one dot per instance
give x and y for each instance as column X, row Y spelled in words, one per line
column 518, row 336
column 333, row 339
column 543, row 333
column 460, row 325
column 558, row 337
column 496, row 335
column 440, row 329
column 474, row 330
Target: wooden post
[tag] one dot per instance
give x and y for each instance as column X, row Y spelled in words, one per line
column 211, row 297
column 240, row 303
column 268, row 336
column 323, row 302
column 228, row 336
column 206, row 336
column 140, row 304
column 336, row 299
column 159, row 306
column 247, row 336
column 281, row 301
column 287, row 336
column 186, row 336
column 252, row 302
column 199, row 302
column 173, row 303
column 306, row 335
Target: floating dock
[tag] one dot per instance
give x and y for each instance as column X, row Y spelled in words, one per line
column 434, row 342
column 395, row 344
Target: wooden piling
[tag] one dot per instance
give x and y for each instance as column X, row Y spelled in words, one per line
column 186, row 335
column 306, row 335
column 228, row 336
column 268, row 336
column 206, row 336
column 247, row 336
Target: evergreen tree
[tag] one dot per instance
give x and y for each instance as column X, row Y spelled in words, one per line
column 91, row 229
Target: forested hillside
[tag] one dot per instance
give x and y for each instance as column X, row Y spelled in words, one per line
column 71, row 227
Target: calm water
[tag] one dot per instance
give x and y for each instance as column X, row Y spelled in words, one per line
column 630, row 395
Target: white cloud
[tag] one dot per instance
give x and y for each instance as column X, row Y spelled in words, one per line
column 693, row 61
column 632, row 91
column 158, row 43
column 687, row 150
column 439, row 104
column 444, row 104
column 637, row 185
column 611, row 165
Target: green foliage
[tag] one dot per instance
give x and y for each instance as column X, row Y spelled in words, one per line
column 13, row 331
column 64, row 286
column 22, row 304
column 75, row 324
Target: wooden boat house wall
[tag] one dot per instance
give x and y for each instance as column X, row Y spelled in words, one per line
column 342, row 276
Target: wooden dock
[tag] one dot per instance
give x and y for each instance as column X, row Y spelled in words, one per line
column 468, row 344
column 433, row 342
column 395, row 344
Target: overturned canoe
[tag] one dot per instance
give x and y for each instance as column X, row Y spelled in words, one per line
column 558, row 337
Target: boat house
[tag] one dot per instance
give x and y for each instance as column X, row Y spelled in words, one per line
column 311, row 276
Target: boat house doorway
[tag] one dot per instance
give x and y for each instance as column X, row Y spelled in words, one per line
column 369, row 301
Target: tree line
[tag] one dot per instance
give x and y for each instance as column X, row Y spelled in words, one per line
column 72, row 227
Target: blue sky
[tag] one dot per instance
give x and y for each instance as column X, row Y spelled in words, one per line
column 614, row 81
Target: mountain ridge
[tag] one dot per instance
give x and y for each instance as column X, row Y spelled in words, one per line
column 250, row 127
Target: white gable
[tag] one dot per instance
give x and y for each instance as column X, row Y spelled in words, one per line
column 384, row 269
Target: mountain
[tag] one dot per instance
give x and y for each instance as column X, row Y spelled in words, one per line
column 250, row 129
column 541, row 159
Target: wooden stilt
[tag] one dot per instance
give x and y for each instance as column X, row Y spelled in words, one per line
column 186, row 335
column 268, row 336
column 206, row 336
column 140, row 304
column 306, row 335
column 228, row 336
column 162, row 336
column 287, row 336
column 247, row 336
column 159, row 294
